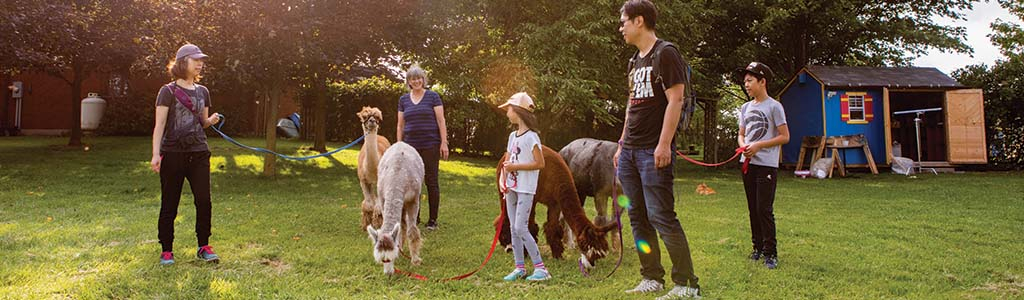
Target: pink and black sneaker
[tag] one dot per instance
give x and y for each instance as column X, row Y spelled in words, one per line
column 206, row 254
column 166, row 258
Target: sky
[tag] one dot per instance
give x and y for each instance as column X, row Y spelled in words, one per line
column 978, row 29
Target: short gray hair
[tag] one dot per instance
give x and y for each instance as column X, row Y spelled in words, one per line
column 415, row 72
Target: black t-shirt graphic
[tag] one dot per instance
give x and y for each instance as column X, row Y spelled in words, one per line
column 647, row 100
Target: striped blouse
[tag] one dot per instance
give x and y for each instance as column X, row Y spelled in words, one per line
column 420, row 131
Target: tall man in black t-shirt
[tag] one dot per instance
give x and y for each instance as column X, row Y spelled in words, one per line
column 644, row 158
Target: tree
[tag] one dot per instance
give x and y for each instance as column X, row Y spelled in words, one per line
column 1009, row 36
column 570, row 55
column 72, row 39
column 564, row 53
column 1003, row 90
column 790, row 34
column 278, row 47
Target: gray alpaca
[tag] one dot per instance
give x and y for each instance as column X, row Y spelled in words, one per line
column 594, row 174
column 399, row 179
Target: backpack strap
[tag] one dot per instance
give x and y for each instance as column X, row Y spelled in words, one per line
column 632, row 61
column 656, row 70
column 183, row 98
column 689, row 96
column 185, row 101
column 656, row 62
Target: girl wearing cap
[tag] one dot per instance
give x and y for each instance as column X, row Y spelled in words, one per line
column 421, row 124
column 180, row 151
column 762, row 132
column 518, row 180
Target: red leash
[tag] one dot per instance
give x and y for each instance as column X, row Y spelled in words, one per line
column 494, row 244
column 411, row 274
column 746, row 164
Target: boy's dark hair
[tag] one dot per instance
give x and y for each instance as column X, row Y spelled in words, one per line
column 528, row 117
column 759, row 70
column 644, row 8
column 756, row 76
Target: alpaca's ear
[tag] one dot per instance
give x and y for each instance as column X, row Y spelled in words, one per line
column 372, row 232
column 395, row 232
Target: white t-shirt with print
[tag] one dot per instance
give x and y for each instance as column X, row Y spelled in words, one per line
column 761, row 120
column 520, row 151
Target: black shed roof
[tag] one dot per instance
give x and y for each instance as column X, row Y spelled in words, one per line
column 890, row 77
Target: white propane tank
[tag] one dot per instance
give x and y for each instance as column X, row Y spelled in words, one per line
column 92, row 111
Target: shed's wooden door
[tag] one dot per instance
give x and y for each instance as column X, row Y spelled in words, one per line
column 965, row 127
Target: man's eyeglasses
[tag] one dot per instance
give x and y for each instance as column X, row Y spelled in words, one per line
column 622, row 23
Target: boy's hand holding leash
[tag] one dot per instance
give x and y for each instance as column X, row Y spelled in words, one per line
column 751, row 149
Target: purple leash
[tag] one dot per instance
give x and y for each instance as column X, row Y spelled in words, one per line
column 618, row 222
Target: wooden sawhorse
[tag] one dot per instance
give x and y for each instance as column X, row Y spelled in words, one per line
column 857, row 141
column 815, row 143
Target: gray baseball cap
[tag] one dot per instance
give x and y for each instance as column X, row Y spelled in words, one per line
column 190, row 50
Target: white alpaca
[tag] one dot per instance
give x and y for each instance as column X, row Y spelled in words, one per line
column 369, row 156
column 400, row 178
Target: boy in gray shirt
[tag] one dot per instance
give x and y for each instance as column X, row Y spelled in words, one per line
column 762, row 132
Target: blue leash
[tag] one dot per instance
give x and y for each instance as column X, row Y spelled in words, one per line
column 257, row 149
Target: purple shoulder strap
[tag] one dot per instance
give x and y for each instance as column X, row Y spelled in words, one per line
column 183, row 98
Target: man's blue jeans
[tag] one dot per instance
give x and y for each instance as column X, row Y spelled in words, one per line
column 652, row 212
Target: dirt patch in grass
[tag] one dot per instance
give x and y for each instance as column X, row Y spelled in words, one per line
column 276, row 264
column 1012, row 286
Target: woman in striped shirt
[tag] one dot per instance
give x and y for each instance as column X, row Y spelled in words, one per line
column 421, row 124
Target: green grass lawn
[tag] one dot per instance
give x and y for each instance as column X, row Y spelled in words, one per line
column 82, row 224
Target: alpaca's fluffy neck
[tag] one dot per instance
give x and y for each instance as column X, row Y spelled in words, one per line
column 372, row 154
column 571, row 209
column 393, row 204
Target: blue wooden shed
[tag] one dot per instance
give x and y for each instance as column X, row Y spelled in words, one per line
column 882, row 103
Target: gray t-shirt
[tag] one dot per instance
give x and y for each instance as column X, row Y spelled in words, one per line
column 520, row 151
column 761, row 122
column 183, row 132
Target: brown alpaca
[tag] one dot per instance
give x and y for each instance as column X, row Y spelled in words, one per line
column 369, row 156
column 555, row 188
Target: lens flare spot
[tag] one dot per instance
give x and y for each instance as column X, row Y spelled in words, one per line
column 623, row 201
column 643, row 246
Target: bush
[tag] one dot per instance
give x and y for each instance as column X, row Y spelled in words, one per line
column 131, row 115
column 473, row 126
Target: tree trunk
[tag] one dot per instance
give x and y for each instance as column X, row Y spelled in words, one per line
column 591, row 127
column 710, row 127
column 320, row 117
column 270, row 160
column 3, row 107
column 76, row 106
